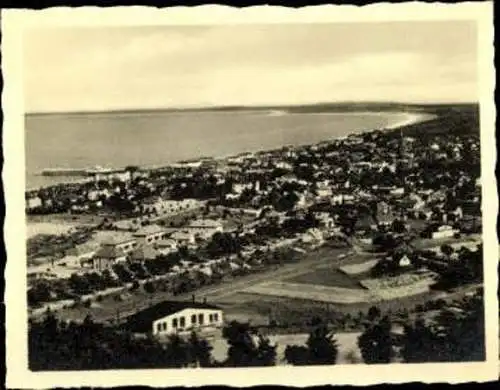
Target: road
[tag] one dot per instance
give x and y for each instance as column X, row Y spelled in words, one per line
column 217, row 293
column 311, row 262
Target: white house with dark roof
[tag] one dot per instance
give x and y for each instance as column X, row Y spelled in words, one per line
column 175, row 317
column 165, row 246
column 107, row 256
column 204, row 228
column 120, row 240
column 183, row 237
column 113, row 247
column 150, row 234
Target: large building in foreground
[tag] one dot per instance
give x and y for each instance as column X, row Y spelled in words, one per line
column 173, row 317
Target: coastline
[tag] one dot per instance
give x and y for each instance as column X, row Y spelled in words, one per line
column 409, row 118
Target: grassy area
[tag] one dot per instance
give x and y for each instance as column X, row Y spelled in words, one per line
column 312, row 292
column 326, row 277
column 73, row 219
column 298, row 312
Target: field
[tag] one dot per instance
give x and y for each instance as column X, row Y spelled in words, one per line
column 354, row 269
column 292, row 293
column 293, row 313
column 326, row 277
column 47, row 228
column 312, row 292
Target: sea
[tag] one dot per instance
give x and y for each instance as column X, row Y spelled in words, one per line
column 162, row 137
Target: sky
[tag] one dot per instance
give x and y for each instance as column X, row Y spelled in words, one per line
column 133, row 67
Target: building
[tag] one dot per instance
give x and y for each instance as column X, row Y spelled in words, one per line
column 100, row 174
column 165, row 246
column 312, row 236
column 107, row 256
column 385, row 215
column 325, row 220
column 113, row 248
column 324, row 191
column 168, row 206
column 172, row 317
column 443, row 231
column 95, row 195
column 124, row 242
column 150, row 234
column 183, row 237
column 33, row 203
column 399, row 191
column 238, row 188
column 204, row 228
column 404, row 261
column 342, row 198
column 143, row 253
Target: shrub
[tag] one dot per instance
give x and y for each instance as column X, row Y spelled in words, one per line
column 149, row 287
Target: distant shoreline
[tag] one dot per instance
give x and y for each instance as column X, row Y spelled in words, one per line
column 411, row 117
column 340, row 107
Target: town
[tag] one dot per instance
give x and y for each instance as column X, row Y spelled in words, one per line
column 375, row 236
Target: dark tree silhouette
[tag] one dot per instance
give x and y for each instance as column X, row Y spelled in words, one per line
column 321, row 349
column 56, row 345
column 375, row 342
column 247, row 349
column 199, row 351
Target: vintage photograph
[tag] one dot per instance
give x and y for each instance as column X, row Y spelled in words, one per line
column 253, row 195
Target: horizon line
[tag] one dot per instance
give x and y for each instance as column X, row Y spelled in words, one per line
column 243, row 106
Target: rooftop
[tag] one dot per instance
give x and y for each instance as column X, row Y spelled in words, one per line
column 113, row 238
column 109, row 252
column 144, row 252
column 149, row 229
column 143, row 320
column 205, row 223
column 168, row 242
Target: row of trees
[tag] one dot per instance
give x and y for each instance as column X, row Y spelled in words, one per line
column 455, row 334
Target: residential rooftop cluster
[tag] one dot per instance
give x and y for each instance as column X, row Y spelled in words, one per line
column 197, row 222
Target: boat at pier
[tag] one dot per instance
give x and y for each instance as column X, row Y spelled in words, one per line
column 64, row 172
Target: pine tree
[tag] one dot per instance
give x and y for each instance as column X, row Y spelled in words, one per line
column 200, row 351
column 375, row 343
column 247, row 349
column 419, row 344
column 321, row 349
column 266, row 352
column 322, row 346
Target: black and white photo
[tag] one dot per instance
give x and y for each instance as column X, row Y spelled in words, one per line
column 253, row 195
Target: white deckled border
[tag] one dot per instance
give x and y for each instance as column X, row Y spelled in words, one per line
column 13, row 24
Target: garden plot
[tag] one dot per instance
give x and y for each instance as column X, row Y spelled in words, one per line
column 312, row 292
column 354, row 269
column 326, row 277
column 399, row 286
